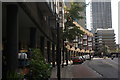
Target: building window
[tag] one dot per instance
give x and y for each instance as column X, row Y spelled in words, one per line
column 84, row 42
column 90, row 44
column 89, row 38
column 84, row 36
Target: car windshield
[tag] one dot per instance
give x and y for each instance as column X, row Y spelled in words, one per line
column 77, row 57
column 80, row 56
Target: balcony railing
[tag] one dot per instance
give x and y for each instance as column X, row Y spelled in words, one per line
column 80, row 42
column 75, row 40
column 84, row 36
column 84, row 43
column 89, row 39
column 89, row 45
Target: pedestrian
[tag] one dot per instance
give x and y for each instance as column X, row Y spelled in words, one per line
column 112, row 57
column 22, row 57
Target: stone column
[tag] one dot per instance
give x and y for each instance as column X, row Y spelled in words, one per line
column 66, row 53
column 69, row 55
column 53, row 55
column 48, row 51
column 42, row 44
column 79, row 53
column 12, row 37
column 74, row 53
column 32, row 37
column 63, row 54
column 60, row 55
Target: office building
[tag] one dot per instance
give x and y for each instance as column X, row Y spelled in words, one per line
column 101, row 15
column 105, row 36
column 28, row 25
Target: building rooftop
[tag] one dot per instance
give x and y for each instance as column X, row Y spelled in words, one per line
column 105, row 29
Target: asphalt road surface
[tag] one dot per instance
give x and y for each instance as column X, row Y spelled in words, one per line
column 96, row 68
column 107, row 68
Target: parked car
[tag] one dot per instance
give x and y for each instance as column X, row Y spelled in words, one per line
column 77, row 59
column 87, row 57
column 83, row 58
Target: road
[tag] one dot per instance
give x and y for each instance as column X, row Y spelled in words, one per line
column 107, row 68
column 96, row 68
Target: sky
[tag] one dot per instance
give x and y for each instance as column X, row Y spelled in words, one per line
column 114, row 7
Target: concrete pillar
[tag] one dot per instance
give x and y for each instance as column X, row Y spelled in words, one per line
column 0, row 40
column 32, row 37
column 53, row 55
column 66, row 52
column 60, row 55
column 74, row 53
column 69, row 55
column 42, row 44
column 79, row 53
column 48, row 51
column 63, row 54
column 12, row 38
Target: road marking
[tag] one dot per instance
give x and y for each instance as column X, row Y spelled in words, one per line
column 88, row 64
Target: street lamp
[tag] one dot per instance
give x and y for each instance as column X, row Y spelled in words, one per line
column 58, row 26
column 58, row 41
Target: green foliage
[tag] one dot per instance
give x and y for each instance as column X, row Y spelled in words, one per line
column 105, row 49
column 75, row 10
column 40, row 69
column 117, row 50
column 72, row 32
column 71, row 14
column 14, row 75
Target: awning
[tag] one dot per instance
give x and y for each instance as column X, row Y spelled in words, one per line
column 83, row 29
column 73, row 48
column 92, row 51
column 78, row 50
column 23, row 50
column 87, row 51
column 83, row 50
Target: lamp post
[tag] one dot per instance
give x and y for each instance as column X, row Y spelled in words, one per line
column 58, row 53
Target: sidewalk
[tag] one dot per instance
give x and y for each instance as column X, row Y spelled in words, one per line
column 75, row 71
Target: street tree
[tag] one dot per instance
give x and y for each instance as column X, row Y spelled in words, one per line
column 70, row 31
column 117, row 50
column 105, row 49
column 71, row 14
